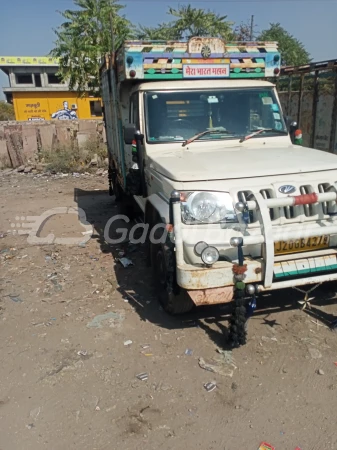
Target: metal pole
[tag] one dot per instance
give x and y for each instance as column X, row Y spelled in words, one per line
column 300, row 98
column 112, row 34
column 314, row 109
column 289, row 94
column 252, row 28
column 334, row 118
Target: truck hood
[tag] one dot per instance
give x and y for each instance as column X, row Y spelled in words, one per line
column 240, row 162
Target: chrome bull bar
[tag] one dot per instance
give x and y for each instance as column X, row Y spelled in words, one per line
column 305, row 199
column 269, row 236
column 291, row 235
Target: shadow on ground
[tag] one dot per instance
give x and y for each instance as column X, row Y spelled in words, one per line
column 135, row 282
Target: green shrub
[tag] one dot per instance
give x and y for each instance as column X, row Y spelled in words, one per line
column 6, row 111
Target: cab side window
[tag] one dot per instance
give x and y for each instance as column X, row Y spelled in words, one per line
column 134, row 110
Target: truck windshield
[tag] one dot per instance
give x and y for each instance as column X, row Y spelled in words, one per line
column 227, row 114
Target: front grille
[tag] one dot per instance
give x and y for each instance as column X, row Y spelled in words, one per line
column 269, row 193
column 327, row 206
column 301, row 213
column 289, row 212
column 309, row 210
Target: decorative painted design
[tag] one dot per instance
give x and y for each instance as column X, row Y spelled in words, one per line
column 206, row 51
column 65, row 113
column 206, row 45
column 166, row 60
column 305, row 266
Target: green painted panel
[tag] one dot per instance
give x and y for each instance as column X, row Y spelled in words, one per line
column 247, row 75
column 279, row 275
column 163, row 76
column 306, row 271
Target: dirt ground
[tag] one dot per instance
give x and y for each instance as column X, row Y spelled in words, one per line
column 68, row 381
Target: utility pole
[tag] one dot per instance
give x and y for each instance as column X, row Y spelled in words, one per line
column 111, row 4
column 112, row 33
column 252, row 29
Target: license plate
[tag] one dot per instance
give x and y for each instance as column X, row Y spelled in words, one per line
column 301, row 245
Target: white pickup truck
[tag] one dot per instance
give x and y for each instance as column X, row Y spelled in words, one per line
column 197, row 138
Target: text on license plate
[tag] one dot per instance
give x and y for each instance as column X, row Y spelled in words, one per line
column 301, row 245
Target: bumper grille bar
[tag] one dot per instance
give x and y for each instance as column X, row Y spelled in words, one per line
column 306, row 199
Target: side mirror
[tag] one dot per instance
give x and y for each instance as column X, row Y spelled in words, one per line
column 293, row 127
column 291, row 124
column 129, row 133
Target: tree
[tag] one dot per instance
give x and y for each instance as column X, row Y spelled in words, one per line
column 6, row 111
column 292, row 50
column 164, row 31
column 243, row 32
column 192, row 22
column 189, row 22
column 85, row 37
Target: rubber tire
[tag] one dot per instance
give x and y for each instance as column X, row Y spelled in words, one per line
column 178, row 301
column 117, row 190
column 126, row 203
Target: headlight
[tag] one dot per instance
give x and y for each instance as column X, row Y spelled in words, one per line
column 207, row 207
column 210, row 255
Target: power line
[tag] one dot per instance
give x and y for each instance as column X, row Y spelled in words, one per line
column 230, row 1
column 217, row 1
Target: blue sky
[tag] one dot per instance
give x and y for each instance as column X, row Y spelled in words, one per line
column 26, row 27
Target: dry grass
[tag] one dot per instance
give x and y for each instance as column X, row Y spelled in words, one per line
column 73, row 158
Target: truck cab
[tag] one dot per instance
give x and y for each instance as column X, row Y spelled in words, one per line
column 197, row 138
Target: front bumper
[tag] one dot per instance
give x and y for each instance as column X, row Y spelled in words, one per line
column 260, row 271
column 192, row 277
column 221, row 274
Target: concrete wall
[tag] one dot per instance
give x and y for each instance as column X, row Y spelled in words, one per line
column 21, row 142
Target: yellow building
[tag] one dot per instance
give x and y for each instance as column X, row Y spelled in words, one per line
column 38, row 94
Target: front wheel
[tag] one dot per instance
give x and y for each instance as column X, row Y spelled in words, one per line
column 173, row 299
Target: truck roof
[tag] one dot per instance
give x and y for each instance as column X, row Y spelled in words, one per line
column 199, row 58
column 200, row 84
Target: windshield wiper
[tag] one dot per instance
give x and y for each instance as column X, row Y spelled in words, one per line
column 219, row 130
column 262, row 130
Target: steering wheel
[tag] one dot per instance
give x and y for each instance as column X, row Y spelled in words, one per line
column 184, row 121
